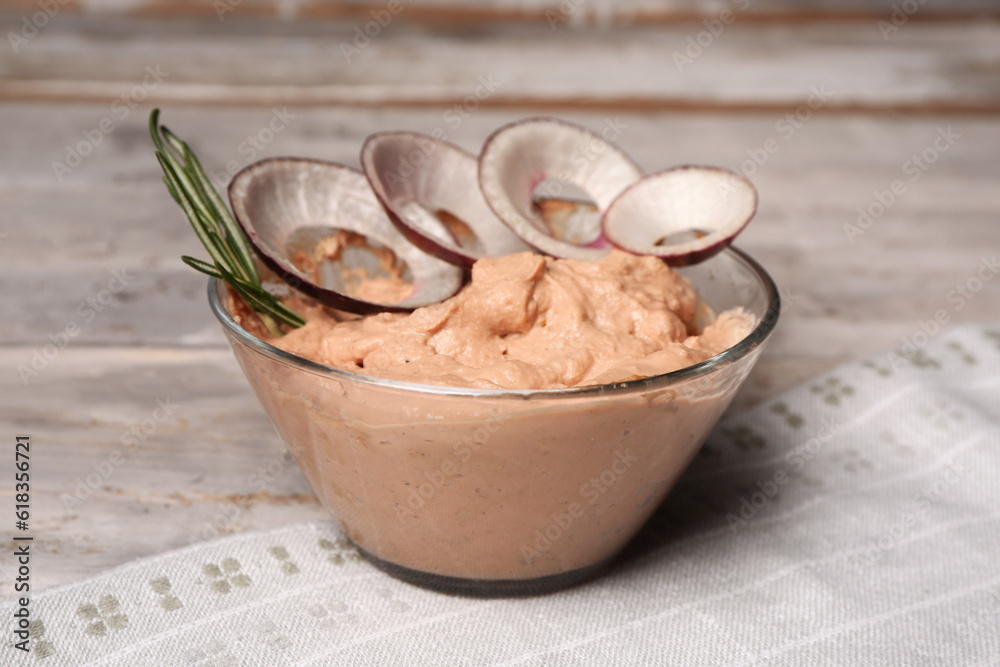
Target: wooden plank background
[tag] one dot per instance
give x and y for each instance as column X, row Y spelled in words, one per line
column 215, row 464
column 750, row 66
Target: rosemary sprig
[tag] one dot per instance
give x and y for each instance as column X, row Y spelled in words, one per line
column 232, row 259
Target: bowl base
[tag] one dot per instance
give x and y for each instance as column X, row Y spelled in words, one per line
column 486, row 588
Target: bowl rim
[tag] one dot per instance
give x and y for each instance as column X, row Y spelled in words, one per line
column 748, row 344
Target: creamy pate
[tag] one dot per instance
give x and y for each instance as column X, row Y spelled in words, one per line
column 526, row 321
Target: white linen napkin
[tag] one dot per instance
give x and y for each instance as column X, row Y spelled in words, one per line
column 852, row 520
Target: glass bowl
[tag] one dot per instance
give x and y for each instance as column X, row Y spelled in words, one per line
column 501, row 492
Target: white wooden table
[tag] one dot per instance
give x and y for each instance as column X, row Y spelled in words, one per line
column 822, row 106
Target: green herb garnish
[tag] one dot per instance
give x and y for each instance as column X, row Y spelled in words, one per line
column 232, row 259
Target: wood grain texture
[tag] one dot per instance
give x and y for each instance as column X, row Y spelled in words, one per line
column 203, row 459
column 576, row 12
column 770, row 67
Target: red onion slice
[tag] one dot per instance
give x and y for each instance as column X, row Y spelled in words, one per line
column 683, row 215
column 290, row 207
column 519, row 157
column 423, row 182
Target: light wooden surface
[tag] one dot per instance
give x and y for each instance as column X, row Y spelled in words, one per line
column 214, row 464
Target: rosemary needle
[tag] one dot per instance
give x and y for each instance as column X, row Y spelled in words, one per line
column 232, row 259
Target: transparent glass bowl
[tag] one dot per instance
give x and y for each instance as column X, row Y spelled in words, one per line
column 501, row 492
